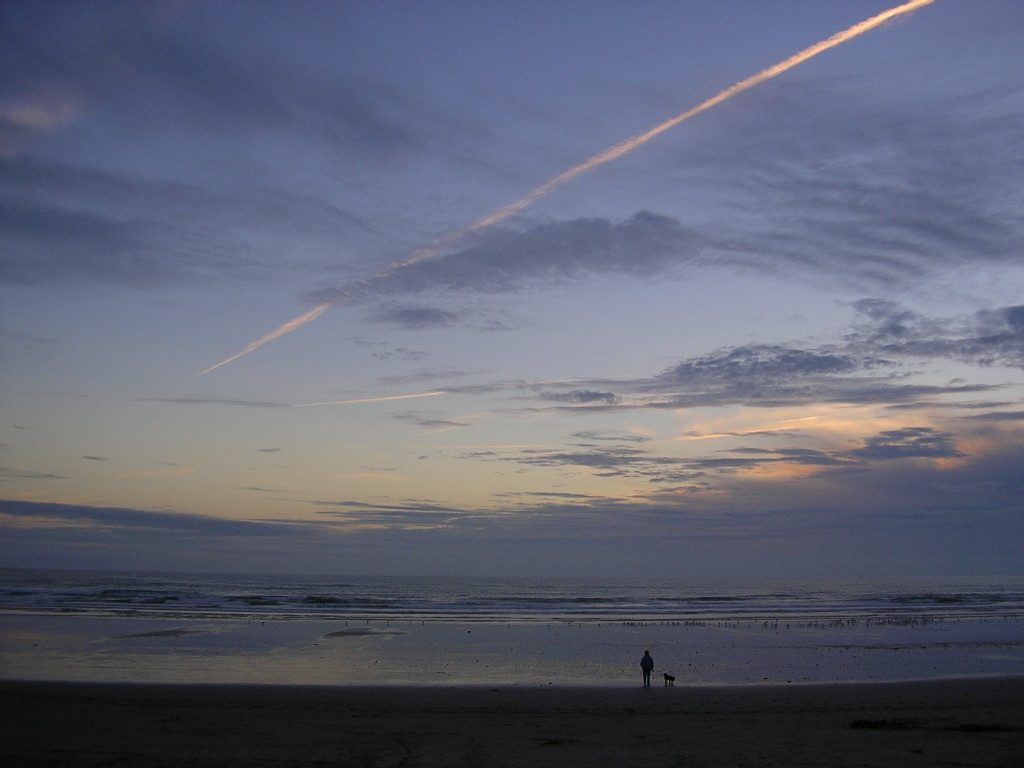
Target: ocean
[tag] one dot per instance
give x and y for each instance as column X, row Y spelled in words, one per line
column 151, row 627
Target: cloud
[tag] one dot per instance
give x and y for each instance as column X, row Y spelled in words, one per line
column 761, row 362
column 65, row 224
column 869, row 366
column 584, row 397
column 173, row 95
column 864, row 192
column 435, row 422
column 616, row 461
column 28, row 474
column 867, row 191
column 611, row 436
column 44, row 515
column 22, row 123
column 403, row 514
column 417, row 318
column 135, row 67
column 910, row 442
column 896, row 474
column 51, row 535
column 502, row 259
column 997, row 416
column 217, row 401
column 993, row 337
column 631, row 462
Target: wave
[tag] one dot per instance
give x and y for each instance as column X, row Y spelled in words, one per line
column 436, row 599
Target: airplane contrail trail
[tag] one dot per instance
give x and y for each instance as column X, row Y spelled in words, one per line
column 291, row 325
column 611, row 153
column 372, row 399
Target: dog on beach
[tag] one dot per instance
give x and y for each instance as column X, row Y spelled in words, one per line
column 669, row 679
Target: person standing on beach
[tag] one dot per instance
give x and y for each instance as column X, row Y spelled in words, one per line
column 647, row 664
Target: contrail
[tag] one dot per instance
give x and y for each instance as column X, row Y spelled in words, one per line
column 611, row 153
column 291, row 325
column 371, row 399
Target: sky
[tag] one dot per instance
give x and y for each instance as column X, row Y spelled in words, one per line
column 782, row 338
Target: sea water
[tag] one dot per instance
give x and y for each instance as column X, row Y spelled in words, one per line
column 75, row 625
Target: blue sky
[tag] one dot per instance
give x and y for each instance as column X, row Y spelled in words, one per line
column 783, row 338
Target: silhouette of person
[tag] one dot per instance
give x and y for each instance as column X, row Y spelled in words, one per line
column 647, row 664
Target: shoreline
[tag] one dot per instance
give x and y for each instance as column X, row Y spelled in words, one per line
column 969, row 722
column 79, row 648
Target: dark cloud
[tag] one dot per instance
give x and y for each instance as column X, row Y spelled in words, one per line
column 869, row 366
column 626, row 461
column 612, row 461
column 46, row 244
column 118, row 518
column 401, row 514
column 405, row 506
column 66, row 224
column 712, row 387
column 433, row 421
column 895, row 505
column 1009, row 416
column 503, row 259
column 95, row 458
column 1013, row 318
column 417, row 318
column 610, row 436
column 761, row 363
column 583, row 397
column 914, row 469
column 990, row 338
column 908, row 443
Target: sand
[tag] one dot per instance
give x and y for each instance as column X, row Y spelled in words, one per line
column 934, row 723
column 447, row 653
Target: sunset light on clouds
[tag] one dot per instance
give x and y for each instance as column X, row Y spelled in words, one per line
column 780, row 334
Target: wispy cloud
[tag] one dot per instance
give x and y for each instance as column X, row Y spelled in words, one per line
column 28, row 474
column 137, row 67
column 504, row 259
column 65, row 224
column 175, row 470
column 416, row 318
column 868, row 367
column 403, row 514
column 42, row 514
column 217, row 401
column 380, row 399
column 910, row 442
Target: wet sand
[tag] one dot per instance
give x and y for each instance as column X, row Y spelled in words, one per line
column 449, row 653
column 976, row 722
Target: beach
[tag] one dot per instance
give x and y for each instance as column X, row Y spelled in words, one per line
column 978, row 722
column 116, row 670
column 367, row 653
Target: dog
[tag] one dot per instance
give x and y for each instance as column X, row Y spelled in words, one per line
column 669, row 679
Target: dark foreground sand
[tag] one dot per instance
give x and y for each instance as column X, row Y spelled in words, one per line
column 942, row 723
